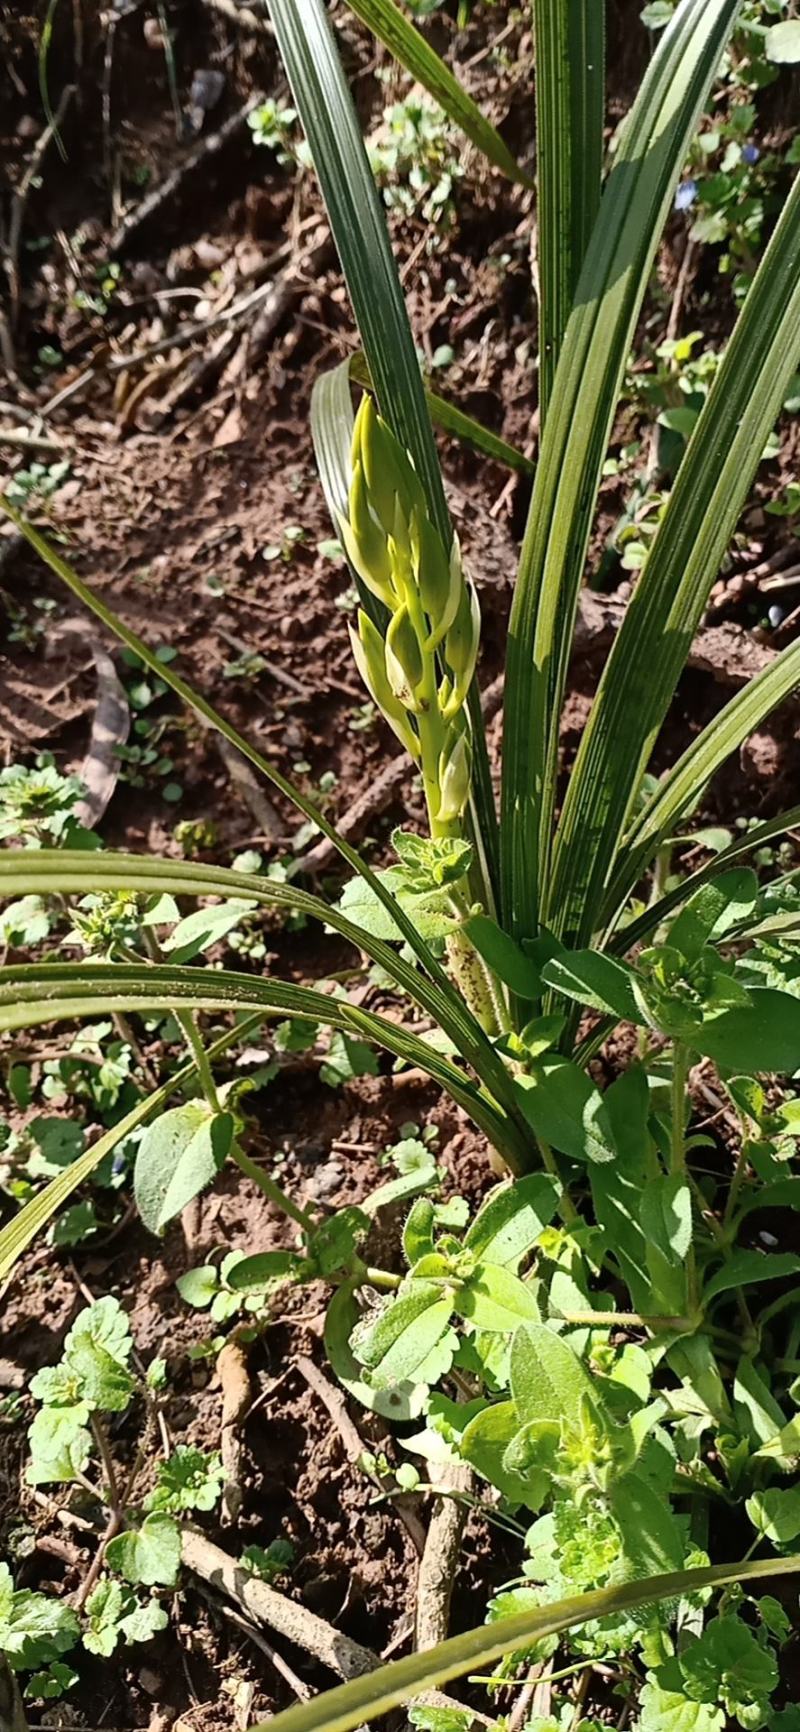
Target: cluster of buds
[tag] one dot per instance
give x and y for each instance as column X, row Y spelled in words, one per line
column 419, row 673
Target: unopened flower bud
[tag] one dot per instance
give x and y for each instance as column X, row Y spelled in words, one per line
column 365, row 542
column 461, row 647
column 403, row 659
column 370, row 659
column 455, row 770
column 439, row 580
column 390, row 475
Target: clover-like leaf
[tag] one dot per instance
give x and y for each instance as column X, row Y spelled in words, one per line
column 190, row 1479
column 34, row 1628
column 149, row 1555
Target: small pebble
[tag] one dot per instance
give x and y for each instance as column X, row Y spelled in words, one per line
column 775, row 614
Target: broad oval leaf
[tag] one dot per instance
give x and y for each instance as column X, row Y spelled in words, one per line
column 761, row 1036
column 512, row 1218
column 750, row 1268
column 595, row 980
column 548, row 1380
column 149, row 1555
column 395, row 1344
column 562, row 1104
column 252, row 1273
column 495, row 1300
column 484, row 1442
column 402, row 1401
column 178, row 1156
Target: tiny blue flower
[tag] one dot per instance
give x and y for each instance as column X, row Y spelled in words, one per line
column 750, row 153
column 686, row 195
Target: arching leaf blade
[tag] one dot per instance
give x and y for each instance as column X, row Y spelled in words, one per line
column 680, row 787
column 594, row 352
column 375, row 1693
column 667, row 604
column 47, row 992
column 409, row 46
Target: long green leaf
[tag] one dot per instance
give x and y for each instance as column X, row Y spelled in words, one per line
column 593, row 356
column 489, row 1065
column 48, row 992
column 364, row 1698
column 65, row 872
column 406, row 43
column 667, row 604
column 18, row 1233
column 678, row 790
column 570, row 68
column 627, row 937
column 357, row 219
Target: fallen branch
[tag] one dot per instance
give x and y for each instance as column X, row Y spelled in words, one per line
column 348, row 1659
column 333, row 1400
column 439, row 1560
column 304, row 1629
column 236, row 1399
column 19, row 436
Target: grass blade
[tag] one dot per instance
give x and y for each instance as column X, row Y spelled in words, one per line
column 668, row 601
column 18, row 1233
column 49, row 992
column 678, row 790
column 406, row 43
column 363, row 1699
column 74, row 872
column 593, row 356
column 359, row 229
column 570, row 92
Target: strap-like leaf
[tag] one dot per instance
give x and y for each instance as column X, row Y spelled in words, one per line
column 678, row 790
column 16, row 1236
column 48, row 992
column 74, row 872
column 667, row 604
column 356, row 216
column 405, row 42
column 363, row 1699
column 593, row 356
column 570, row 77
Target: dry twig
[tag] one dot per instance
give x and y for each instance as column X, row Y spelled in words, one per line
column 21, row 196
column 236, row 1400
column 440, row 1558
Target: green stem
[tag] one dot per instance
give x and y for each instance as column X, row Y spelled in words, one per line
column 189, row 1029
column 383, row 1278
column 252, row 1171
column 736, row 1182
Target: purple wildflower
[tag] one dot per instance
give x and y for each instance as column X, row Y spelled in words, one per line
column 686, row 195
column 750, row 154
